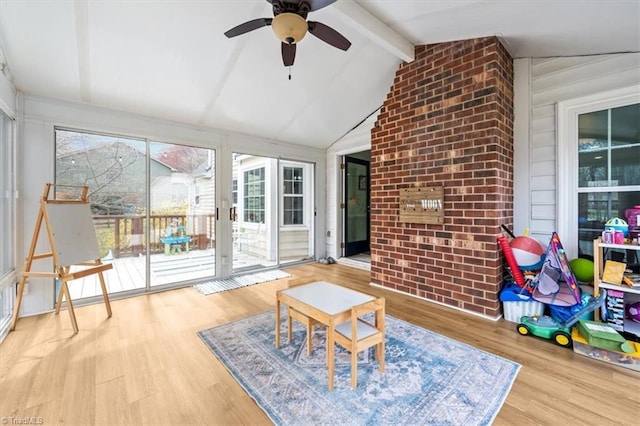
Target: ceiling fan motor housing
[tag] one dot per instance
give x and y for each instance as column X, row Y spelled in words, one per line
column 301, row 8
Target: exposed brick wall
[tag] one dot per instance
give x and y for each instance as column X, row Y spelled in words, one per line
column 447, row 121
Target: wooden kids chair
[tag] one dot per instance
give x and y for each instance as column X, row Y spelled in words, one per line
column 357, row 334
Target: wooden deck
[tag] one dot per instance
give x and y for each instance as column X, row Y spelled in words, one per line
column 128, row 273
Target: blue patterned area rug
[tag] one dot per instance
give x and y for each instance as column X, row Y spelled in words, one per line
column 428, row 378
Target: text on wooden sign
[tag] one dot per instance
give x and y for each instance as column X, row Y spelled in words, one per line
column 422, row 205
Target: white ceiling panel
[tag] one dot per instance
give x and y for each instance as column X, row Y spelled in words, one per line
column 167, row 58
column 366, row 93
column 242, row 105
column 170, row 59
column 532, row 28
column 39, row 42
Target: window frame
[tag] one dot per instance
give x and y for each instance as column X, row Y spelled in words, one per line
column 8, row 187
column 567, row 161
column 234, row 191
column 246, row 197
column 286, row 195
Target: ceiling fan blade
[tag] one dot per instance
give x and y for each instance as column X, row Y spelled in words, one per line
column 248, row 26
column 319, row 4
column 288, row 54
column 328, row 35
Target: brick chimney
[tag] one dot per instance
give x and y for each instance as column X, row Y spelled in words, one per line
column 447, row 122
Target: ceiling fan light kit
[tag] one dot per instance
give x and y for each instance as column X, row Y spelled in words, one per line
column 289, row 27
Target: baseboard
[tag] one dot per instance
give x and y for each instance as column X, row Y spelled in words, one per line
column 437, row 303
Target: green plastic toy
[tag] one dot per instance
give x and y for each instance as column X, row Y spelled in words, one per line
column 560, row 332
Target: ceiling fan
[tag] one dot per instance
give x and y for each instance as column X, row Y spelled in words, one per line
column 290, row 26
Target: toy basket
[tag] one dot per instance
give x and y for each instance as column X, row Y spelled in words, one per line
column 513, row 311
column 516, row 303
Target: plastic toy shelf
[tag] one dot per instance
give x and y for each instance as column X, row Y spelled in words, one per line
column 619, row 296
column 623, row 288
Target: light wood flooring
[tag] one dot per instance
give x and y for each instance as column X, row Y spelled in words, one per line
column 146, row 365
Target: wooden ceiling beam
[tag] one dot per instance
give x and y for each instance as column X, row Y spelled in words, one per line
column 375, row 29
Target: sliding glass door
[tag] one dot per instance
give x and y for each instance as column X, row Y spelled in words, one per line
column 155, row 211
column 114, row 169
column 297, row 212
column 182, row 220
column 272, row 212
column 153, row 208
column 252, row 213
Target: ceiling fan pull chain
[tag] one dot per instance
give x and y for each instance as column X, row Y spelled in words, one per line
column 289, row 73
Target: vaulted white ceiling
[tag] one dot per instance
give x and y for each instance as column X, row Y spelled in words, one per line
column 169, row 59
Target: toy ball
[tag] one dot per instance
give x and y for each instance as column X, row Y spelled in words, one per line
column 528, row 252
column 617, row 224
column 582, row 269
column 633, row 311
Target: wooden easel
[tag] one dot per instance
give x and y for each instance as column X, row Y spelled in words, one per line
column 63, row 272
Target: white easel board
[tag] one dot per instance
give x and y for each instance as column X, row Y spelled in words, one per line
column 73, row 232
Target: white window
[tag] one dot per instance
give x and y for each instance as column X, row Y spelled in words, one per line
column 598, row 165
column 293, row 195
column 7, row 208
column 234, row 192
column 254, row 195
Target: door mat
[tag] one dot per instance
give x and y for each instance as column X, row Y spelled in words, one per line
column 216, row 286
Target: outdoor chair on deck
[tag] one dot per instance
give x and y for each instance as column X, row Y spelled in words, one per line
column 298, row 316
column 357, row 334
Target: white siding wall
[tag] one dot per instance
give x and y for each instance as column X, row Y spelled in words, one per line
column 294, row 244
column 542, row 83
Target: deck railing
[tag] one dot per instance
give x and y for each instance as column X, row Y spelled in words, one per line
column 124, row 235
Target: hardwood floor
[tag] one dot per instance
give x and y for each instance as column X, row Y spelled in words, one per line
column 146, row 365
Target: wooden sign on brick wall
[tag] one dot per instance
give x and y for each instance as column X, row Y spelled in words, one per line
column 422, row 205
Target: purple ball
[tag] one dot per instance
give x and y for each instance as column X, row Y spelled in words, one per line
column 633, row 311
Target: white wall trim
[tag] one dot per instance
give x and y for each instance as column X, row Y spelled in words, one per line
column 436, row 302
column 567, row 155
column 521, row 145
column 7, row 96
column 8, row 279
column 357, row 140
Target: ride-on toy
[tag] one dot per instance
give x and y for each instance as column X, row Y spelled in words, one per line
column 558, row 331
